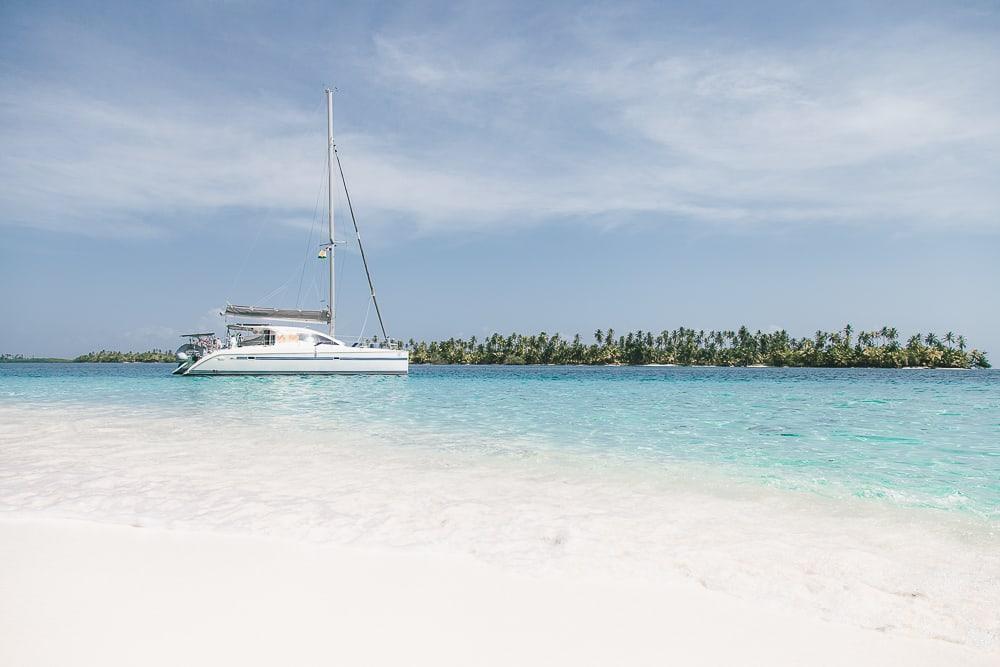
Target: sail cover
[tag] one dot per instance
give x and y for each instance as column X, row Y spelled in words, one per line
column 279, row 313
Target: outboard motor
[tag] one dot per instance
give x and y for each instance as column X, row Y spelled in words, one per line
column 198, row 346
column 188, row 352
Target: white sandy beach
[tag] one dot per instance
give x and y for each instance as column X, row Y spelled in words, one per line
column 152, row 540
column 80, row 593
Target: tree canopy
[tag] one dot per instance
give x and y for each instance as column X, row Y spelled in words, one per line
column 107, row 356
column 846, row 348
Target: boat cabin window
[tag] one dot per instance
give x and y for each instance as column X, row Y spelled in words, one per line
column 266, row 338
column 270, row 338
column 315, row 338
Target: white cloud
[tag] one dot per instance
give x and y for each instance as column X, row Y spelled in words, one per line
column 98, row 167
column 903, row 133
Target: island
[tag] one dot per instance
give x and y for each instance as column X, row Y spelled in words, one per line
column 846, row 348
column 881, row 348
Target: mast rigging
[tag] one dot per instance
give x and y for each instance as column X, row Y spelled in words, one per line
column 361, row 247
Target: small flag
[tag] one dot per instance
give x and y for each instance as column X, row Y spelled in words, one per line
column 323, row 253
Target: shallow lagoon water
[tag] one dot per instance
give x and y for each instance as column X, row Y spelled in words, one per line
column 870, row 497
column 921, row 438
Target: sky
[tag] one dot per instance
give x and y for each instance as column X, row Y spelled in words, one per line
column 557, row 167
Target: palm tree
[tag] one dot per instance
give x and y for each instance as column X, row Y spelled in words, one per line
column 682, row 345
column 892, row 336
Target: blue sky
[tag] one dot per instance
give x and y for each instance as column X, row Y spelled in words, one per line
column 558, row 167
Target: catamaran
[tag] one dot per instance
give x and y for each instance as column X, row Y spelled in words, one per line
column 270, row 349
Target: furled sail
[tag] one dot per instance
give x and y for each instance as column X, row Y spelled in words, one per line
column 279, row 313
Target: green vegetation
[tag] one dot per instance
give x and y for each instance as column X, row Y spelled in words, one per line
column 839, row 349
column 686, row 347
column 21, row 359
column 105, row 356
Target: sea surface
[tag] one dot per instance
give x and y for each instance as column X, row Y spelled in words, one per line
column 868, row 496
column 917, row 438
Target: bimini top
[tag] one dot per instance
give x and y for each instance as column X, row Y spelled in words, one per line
column 287, row 334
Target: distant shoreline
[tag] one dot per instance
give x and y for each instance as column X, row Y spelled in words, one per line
column 843, row 348
column 54, row 360
column 34, row 360
column 742, row 348
column 721, row 366
column 150, row 356
column 51, row 360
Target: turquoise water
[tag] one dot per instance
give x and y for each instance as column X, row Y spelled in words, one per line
column 920, row 438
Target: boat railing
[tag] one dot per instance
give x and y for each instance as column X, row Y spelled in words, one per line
column 381, row 343
column 208, row 342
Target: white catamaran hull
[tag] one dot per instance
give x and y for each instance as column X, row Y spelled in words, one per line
column 343, row 361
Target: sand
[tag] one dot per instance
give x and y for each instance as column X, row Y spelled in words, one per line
column 74, row 592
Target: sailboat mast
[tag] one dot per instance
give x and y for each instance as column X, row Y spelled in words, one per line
column 330, row 149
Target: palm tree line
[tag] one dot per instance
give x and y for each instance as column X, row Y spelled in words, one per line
column 881, row 348
column 102, row 356
column 113, row 356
